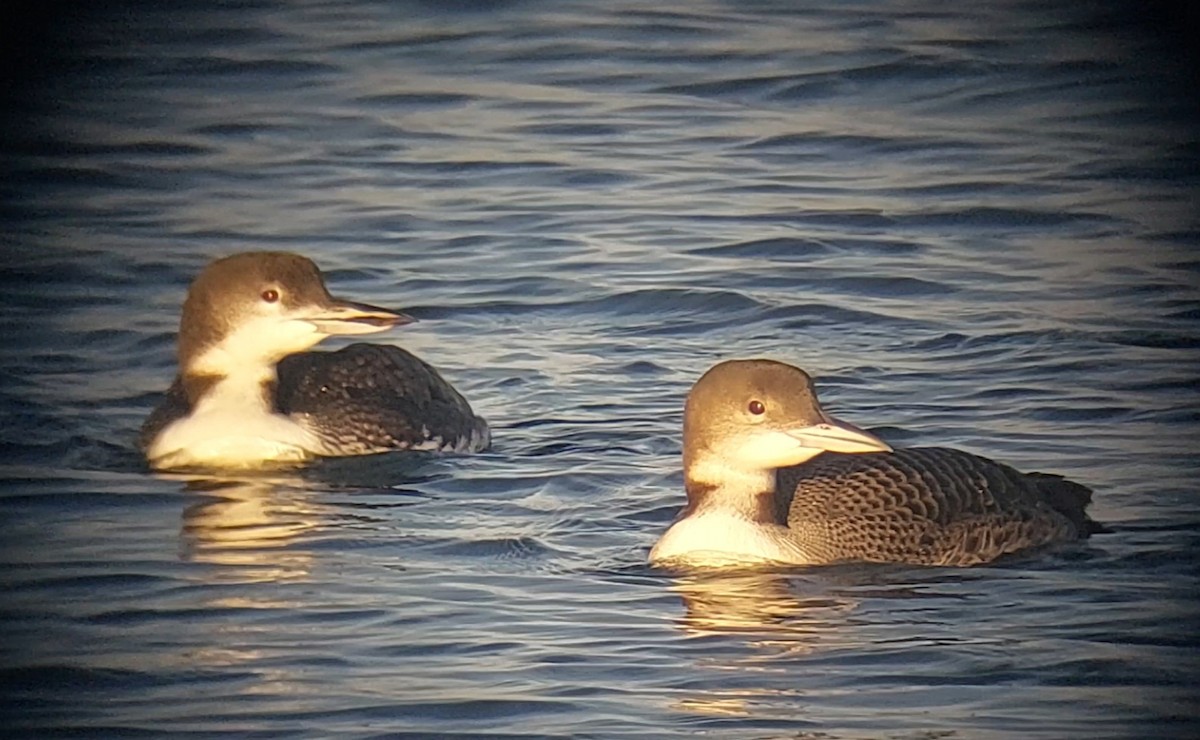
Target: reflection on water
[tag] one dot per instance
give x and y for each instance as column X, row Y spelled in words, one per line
column 767, row 603
column 774, row 615
column 250, row 525
column 718, row 706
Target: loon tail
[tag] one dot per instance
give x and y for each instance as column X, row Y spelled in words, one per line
column 1070, row 499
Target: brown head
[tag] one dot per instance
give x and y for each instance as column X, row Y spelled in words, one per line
column 250, row 310
column 762, row 415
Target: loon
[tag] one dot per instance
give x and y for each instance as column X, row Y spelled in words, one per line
column 770, row 477
column 247, row 394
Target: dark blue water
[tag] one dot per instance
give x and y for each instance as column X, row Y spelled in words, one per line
column 977, row 226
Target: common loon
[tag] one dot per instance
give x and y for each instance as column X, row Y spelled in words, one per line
column 768, row 478
column 247, row 393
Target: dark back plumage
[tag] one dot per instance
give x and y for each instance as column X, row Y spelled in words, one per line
column 933, row 505
column 372, row 397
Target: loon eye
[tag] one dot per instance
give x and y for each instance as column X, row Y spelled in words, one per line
column 270, row 295
column 756, row 407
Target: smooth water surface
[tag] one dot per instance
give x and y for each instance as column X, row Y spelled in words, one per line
column 977, row 226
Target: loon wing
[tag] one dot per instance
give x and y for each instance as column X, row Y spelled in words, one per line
column 930, row 505
column 370, row 398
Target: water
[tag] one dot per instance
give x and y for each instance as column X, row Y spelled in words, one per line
column 977, row 227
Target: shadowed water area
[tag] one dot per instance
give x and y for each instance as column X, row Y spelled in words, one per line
column 976, row 226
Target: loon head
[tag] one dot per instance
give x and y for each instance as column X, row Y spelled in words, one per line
column 246, row 312
column 756, row 415
column 743, row 420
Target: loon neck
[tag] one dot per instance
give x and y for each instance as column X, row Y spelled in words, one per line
column 712, row 484
column 239, row 364
column 734, row 517
column 245, row 389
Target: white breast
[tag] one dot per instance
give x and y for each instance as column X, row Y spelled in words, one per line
column 220, row 440
column 722, row 538
column 231, row 428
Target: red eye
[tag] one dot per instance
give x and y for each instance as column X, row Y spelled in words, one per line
column 757, row 408
column 270, row 295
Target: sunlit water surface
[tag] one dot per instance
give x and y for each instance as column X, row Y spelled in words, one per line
column 976, row 226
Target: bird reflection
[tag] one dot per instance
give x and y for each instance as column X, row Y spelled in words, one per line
column 257, row 524
column 777, row 613
column 772, row 604
column 251, row 526
column 785, row 617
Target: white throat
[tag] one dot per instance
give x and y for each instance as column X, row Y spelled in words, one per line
column 253, row 348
